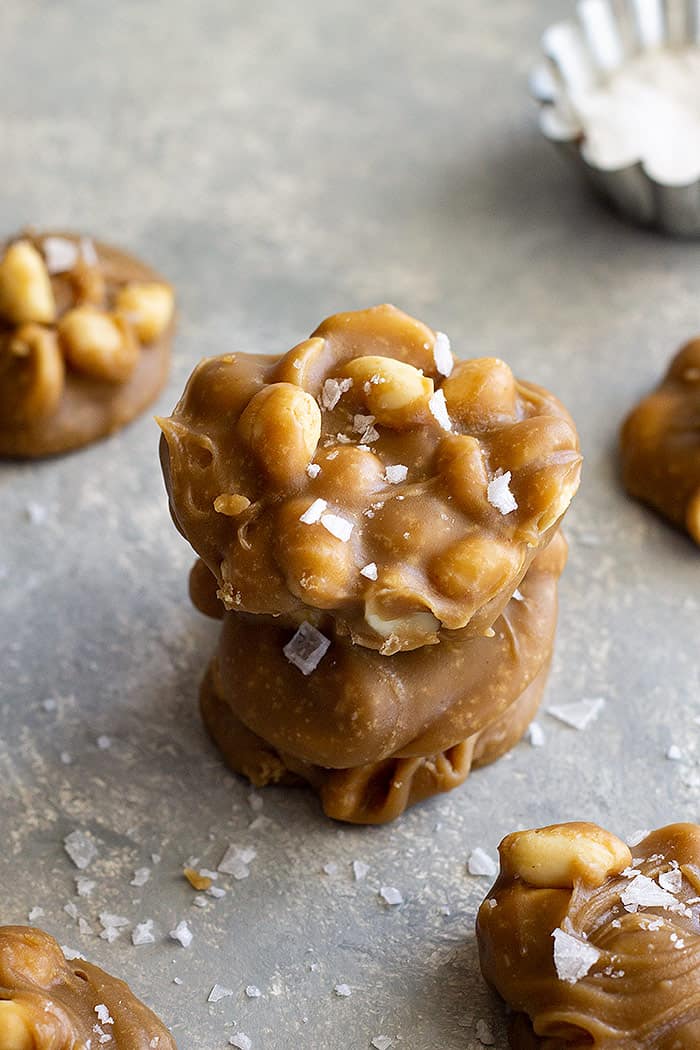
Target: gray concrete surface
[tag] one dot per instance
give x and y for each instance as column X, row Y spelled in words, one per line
column 280, row 162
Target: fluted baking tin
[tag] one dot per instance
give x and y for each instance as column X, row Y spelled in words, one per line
column 581, row 54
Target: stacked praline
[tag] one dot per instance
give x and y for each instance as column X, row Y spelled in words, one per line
column 377, row 525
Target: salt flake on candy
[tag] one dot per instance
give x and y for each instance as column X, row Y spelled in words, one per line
column 672, row 881
column 313, row 513
column 306, row 649
column 643, row 892
column 442, row 353
column 438, row 407
column 369, row 571
column 339, row 527
column 573, row 958
column 499, row 495
column 396, row 474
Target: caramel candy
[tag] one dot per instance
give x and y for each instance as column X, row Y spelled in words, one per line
column 85, row 333
column 290, row 475
column 373, row 734
column 661, row 444
column 592, row 944
column 47, row 1003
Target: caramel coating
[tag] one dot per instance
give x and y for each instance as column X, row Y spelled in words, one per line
column 341, row 419
column 373, row 735
column 633, row 979
column 47, row 1003
column 660, row 444
column 85, row 334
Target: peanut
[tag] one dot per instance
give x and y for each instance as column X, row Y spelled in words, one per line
column 231, row 505
column 319, row 567
column 562, row 854
column 395, row 393
column 475, row 569
column 25, row 286
column 99, row 344
column 282, row 425
column 32, row 375
column 149, row 306
column 15, row 1033
column 461, row 463
column 480, row 392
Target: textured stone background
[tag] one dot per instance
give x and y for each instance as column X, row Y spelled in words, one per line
column 280, row 162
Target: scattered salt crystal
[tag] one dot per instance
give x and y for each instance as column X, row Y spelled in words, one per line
column 518, row 596
column 480, row 863
column 573, row 958
column 313, row 513
column 182, row 933
column 396, row 474
column 643, row 892
column 391, row 895
column 252, row 991
column 236, row 861
column 217, row 892
column 306, row 649
column 59, row 253
column 103, row 1015
column 382, row 1042
column 80, row 848
column 109, row 920
column 579, row 714
column 332, row 391
column 535, row 735
column 66, row 758
column 49, row 704
column 359, row 870
column 84, row 926
column 84, row 886
column 313, row 470
column 142, row 933
column 155, row 858
column 484, row 1033
column 36, row 514
column 70, row 953
column 141, row 877
column 370, row 571
column 342, row 990
column 438, row 407
column 71, row 909
column 218, row 993
column 104, row 743
column 361, row 423
column 499, row 495
column 442, row 353
column 242, row 1041
column 674, row 753
column 671, row 880
column 109, row 934
column 255, row 801
column 339, row 527
column 35, row 913
column 331, row 868
column 199, row 901
column 177, row 980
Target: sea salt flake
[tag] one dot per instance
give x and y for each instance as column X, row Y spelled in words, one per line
column 313, row 513
column 141, row 877
column 480, row 863
column 674, row 753
column 499, row 495
column 71, row 909
column 49, row 704
column 242, row 1041
column 672, row 881
column 199, row 901
column 88, row 251
column 368, row 436
column 218, row 993
column 252, row 991
column 236, row 861
column 578, row 714
column 360, row 870
column 331, row 868
column 361, row 423
column 66, row 758
column 71, row 953
column 35, row 913
column 518, row 596
column 342, row 990
column 382, row 1042
column 104, row 743
column 370, row 571
column 306, row 649
column 36, row 513
column 573, row 958
column 339, row 527
column 182, row 933
column 103, row 1015
column 217, row 892
column 535, row 735
column 111, row 921
column 442, row 352
column 438, row 407
column 60, row 254
column 643, row 892
column 313, row 470
column 484, row 1034
column 84, row 886
column 396, row 474
column 391, row 895
column 637, row 836
column 80, row 848
column 142, row 933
